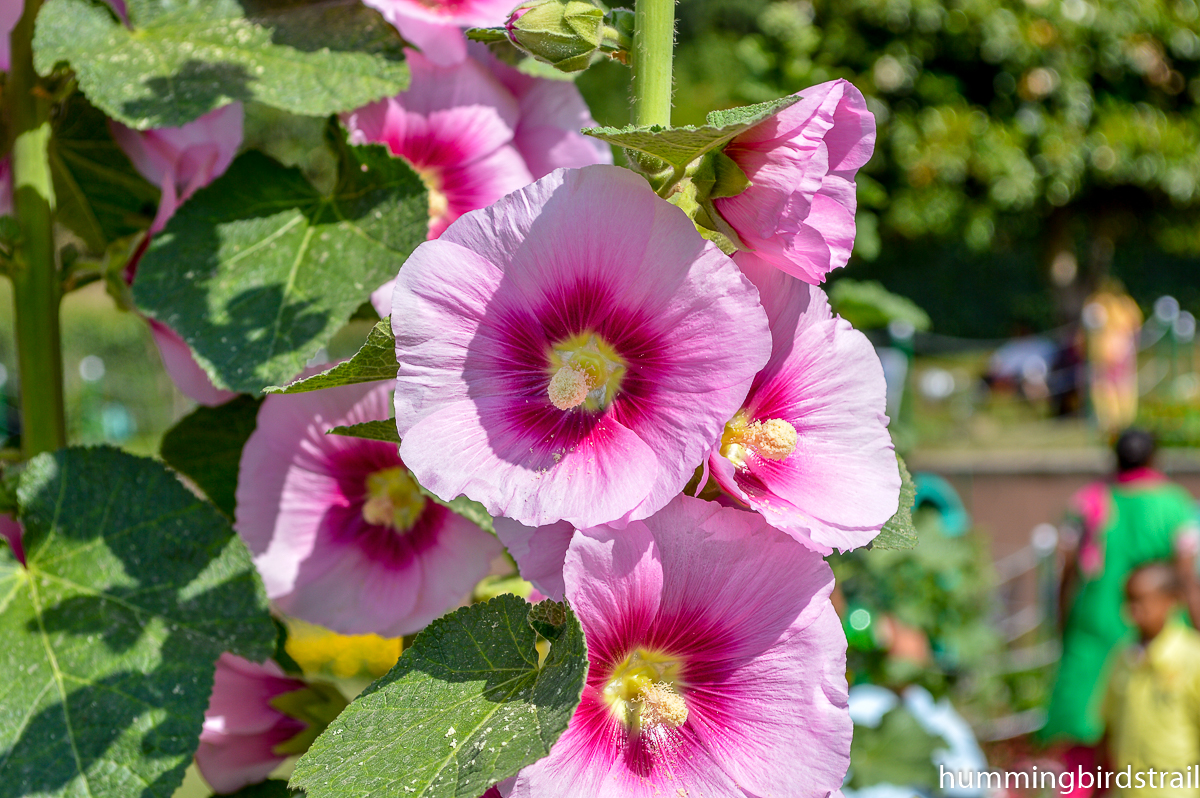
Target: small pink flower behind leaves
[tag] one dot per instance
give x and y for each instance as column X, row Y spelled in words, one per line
column 717, row 664
column 809, row 449
column 10, row 530
column 435, row 26
column 798, row 213
column 565, row 353
column 257, row 717
column 180, row 161
column 340, row 531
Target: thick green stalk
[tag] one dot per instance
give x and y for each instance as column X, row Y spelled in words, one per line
column 653, row 48
column 34, row 276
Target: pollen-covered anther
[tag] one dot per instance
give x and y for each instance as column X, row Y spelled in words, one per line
column 569, row 386
column 662, row 706
column 774, row 439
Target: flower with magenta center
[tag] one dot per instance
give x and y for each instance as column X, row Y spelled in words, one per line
column 809, row 449
column 340, row 531
column 565, row 353
column 717, row 663
column 798, row 212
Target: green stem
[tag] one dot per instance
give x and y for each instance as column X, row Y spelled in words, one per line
column 653, row 47
column 34, row 277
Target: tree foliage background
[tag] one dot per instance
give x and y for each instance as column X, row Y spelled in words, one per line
column 1027, row 148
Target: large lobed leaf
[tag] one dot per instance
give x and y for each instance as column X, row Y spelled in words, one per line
column 134, row 587
column 179, row 59
column 899, row 532
column 466, row 705
column 258, row 270
column 679, row 146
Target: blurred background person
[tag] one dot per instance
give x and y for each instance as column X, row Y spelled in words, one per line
column 1153, row 704
column 1113, row 527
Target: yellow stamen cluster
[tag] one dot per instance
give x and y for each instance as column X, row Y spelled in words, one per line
column 393, row 499
column 439, row 205
column 584, row 372
column 643, row 694
column 773, row 439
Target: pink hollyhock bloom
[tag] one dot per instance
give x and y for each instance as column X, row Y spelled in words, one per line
column 339, row 529
column 564, row 354
column 435, row 26
column 10, row 530
column 180, row 161
column 241, row 727
column 10, row 14
column 474, row 132
column 798, row 213
column 717, row 663
column 809, row 448
column 6, row 196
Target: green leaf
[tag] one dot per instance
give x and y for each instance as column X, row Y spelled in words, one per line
column 471, row 510
column 258, row 270
column 183, row 58
column 100, row 196
column 134, row 587
column 381, row 430
column 898, row 752
column 899, row 532
column 679, row 146
column 375, row 360
column 466, row 706
column 206, row 447
column 868, row 305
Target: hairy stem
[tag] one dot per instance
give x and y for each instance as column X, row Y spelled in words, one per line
column 36, row 290
column 653, row 48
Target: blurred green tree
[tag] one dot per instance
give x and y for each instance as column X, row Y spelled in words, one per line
column 1063, row 129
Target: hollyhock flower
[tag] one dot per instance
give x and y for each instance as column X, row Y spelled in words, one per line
column 10, row 530
column 435, row 26
column 180, row 161
column 10, row 14
column 242, row 728
column 565, row 354
column 809, row 448
column 798, row 213
column 474, row 132
column 340, row 531
column 716, row 663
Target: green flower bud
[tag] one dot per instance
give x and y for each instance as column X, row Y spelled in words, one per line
column 562, row 33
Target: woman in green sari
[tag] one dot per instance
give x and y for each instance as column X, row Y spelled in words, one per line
column 1113, row 527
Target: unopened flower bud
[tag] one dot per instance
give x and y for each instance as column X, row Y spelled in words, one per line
column 562, row 33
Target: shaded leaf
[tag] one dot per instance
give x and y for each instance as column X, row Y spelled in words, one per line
column 257, row 271
column 679, row 146
column 381, row 430
column 99, row 195
column 273, row 788
column 183, row 58
column 899, row 532
column 375, row 360
column 466, row 706
column 134, row 587
column 206, row 447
